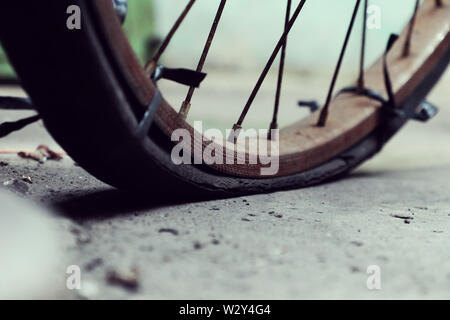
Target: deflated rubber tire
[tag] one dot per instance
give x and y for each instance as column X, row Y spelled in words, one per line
column 85, row 105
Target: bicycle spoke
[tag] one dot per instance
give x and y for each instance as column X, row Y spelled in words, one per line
column 407, row 47
column 361, row 84
column 151, row 65
column 238, row 126
column 274, row 124
column 187, row 102
column 324, row 114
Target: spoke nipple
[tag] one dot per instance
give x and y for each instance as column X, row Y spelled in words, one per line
column 273, row 126
column 406, row 51
column 361, row 85
column 185, row 107
column 234, row 135
column 323, row 118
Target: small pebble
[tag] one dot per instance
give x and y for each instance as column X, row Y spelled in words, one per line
column 197, row 245
column 27, row 179
column 94, row 264
column 357, row 243
column 354, row 269
column 168, row 230
column 126, row 278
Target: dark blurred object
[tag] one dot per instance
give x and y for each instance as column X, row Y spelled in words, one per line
column 7, row 128
column 9, row 81
column 153, row 44
column 15, row 103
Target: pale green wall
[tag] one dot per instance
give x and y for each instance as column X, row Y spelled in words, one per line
column 139, row 25
column 5, row 69
column 251, row 27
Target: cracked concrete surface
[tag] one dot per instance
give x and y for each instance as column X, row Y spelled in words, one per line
column 393, row 212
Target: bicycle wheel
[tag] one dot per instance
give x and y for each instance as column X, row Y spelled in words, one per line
column 93, row 93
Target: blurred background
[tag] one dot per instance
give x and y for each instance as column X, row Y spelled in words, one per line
column 249, row 30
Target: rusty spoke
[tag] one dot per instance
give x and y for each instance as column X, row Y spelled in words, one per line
column 280, row 44
column 407, row 47
column 274, row 124
column 187, row 102
column 361, row 82
column 325, row 110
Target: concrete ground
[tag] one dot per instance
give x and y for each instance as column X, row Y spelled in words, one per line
column 393, row 213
